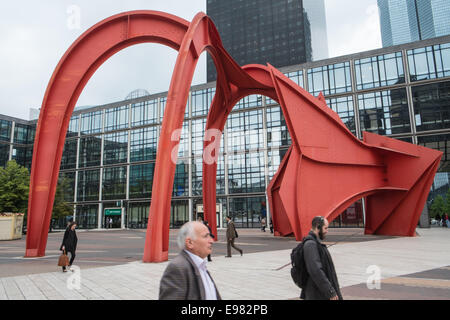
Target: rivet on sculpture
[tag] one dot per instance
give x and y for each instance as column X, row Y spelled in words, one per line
column 326, row 169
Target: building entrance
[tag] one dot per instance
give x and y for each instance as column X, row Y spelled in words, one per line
column 113, row 218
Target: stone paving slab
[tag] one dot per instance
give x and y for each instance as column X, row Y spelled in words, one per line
column 256, row 276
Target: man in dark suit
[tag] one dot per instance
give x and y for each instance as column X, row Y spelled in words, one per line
column 231, row 236
column 186, row 276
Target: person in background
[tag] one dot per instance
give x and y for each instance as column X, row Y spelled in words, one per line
column 69, row 243
column 231, row 236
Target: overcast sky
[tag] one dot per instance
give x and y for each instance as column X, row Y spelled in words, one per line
column 35, row 34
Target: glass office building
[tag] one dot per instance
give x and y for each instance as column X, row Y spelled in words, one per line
column 262, row 31
column 404, row 21
column 109, row 155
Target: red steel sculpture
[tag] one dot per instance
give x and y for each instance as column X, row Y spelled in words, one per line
column 325, row 170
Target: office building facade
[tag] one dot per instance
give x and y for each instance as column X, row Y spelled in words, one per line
column 315, row 11
column 109, row 155
column 404, row 21
column 261, row 31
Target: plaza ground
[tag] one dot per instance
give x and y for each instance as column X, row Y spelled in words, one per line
column 110, row 267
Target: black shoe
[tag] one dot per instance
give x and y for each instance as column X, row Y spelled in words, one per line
column 227, row 256
column 242, row 253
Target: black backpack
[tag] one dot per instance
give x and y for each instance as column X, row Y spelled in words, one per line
column 299, row 273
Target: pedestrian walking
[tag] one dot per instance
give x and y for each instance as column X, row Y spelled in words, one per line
column 69, row 243
column 231, row 236
column 322, row 282
column 438, row 219
column 263, row 224
column 186, row 276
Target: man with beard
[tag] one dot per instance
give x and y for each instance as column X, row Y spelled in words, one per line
column 322, row 283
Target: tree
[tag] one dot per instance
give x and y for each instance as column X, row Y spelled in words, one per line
column 61, row 208
column 438, row 206
column 447, row 202
column 14, row 188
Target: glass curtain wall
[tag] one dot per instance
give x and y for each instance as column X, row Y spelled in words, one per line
column 112, row 151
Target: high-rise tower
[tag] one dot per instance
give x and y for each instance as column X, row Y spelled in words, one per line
column 404, row 21
column 264, row 31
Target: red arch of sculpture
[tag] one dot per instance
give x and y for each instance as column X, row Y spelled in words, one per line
column 325, row 170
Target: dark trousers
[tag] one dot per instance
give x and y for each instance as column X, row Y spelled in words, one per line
column 231, row 244
column 72, row 257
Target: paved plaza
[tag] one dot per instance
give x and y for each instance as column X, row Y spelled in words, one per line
column 409, row 268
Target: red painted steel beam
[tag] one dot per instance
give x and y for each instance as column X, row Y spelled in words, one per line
column 74, row 70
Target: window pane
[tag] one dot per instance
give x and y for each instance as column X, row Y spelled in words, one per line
column 5, row 130
column 144, row 113
column 141, row 180
column 144, row 144
column 432, row 106
column 344, row 108
column 115, row 148
column 88, row 185
column 384, row 112
column 430, row 62
column 382, row 70
column 114, row 183
column 90, row 151
column 69, row 156
column 245, row 131
column 91, row 122
column 116, row 118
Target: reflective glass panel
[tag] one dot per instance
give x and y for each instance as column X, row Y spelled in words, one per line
column 69, row 156
column 88, row 185
column 116, row 118
column 114, row 183
column 115, row 147
column 181, row 180
column 379, row 71
column 87, row 216
column 246, row 212
column 73, row 129
column 277, row 130
column 343, row 106
column 5, row 130
column 245, row 130
column 141, row 180
column 90, row 151
column 246, row 172
column 430, row 62
column 330, row 79
column 144, row 143
column 432, row 106
column 384, row 112
column 201, row 101
column 91, row 122
column 143, row 113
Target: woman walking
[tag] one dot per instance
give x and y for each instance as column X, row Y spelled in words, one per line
column 69, row 243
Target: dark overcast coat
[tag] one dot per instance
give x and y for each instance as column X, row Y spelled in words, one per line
column 322, row 283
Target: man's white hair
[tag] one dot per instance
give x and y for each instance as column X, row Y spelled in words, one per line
column 186, row 231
